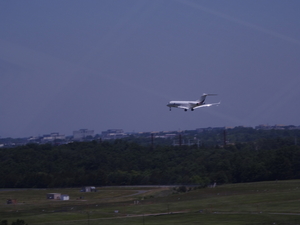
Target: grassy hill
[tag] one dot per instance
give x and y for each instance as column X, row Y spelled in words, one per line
column 275, row 202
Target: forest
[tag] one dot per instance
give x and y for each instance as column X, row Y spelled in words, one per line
column 129, row 162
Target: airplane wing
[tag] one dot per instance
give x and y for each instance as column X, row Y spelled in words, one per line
column 207, row 105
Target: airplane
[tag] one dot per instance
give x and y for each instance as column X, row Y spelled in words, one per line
column 192, row 104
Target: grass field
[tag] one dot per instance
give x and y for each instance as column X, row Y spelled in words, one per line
column 276, row 202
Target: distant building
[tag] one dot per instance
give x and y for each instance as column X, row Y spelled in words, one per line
column 88, row 189
column 52, row 137
column 170, row 135
column 113, row 134
column 82, row 134
column 56, row 196
column 64, row 197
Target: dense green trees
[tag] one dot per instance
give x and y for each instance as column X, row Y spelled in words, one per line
column 127, row 163
column 17, row 222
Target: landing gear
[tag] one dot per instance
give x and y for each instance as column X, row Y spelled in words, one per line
column 170, row 108
column 185, row 109
column 192, row 109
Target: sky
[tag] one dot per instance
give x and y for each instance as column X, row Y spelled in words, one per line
column 67, row 65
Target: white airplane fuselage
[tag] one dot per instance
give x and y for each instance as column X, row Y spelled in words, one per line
column 191, row 105
column 184, row 104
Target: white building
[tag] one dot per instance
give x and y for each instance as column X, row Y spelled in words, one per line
column 82, row 133
column 65, row 197
column 113, row 134
column 54, row 136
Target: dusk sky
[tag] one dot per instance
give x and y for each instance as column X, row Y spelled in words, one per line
column 106, row 64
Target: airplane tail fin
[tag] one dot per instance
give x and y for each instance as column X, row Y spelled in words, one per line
column 202, row 99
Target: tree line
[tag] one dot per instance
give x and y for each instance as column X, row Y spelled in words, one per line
column 124, row 162
column 17, row 222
